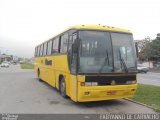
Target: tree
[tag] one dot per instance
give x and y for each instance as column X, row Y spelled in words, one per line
column 155, row 49
column 150, row 50
column 144, row 47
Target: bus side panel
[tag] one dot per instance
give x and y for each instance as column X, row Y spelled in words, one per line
column 50, row 71
column 42, row 68
column 73, row 87
column 60, row 64
column 61, row 69
column 51, row 77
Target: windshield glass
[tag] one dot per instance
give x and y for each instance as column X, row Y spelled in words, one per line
column 124, row 54
column 95, row 52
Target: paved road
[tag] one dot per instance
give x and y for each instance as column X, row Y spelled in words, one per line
column 20, row 92
column 150, row 78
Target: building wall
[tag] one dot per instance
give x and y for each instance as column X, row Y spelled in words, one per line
column 5, row 58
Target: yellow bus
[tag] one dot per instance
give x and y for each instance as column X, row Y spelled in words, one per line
column 89, row 63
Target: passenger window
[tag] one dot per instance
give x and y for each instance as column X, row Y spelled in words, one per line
column 64, row 43
column 73, row 56
column 71, row 40
column 49, row 47
column 38, row 53
column 55, row 48
column 41, row 50
column 73, row 60
column 35, row 54
column 45, row 49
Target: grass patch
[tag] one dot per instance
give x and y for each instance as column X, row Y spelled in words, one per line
column 27, row 66
column 149, row 95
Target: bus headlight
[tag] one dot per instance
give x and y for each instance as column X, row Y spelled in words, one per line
column 94, row 83
column 134, row 82
column 89, row 84
column 131, row 82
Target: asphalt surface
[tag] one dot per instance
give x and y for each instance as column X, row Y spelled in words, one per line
column 150, row 78
column 21, row 92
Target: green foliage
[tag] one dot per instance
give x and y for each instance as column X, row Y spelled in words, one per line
column 150, row 50
column 27, row 66
column 155, row 48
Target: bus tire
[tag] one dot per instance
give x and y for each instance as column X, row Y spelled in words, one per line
column 38, row 76
column 62, row 87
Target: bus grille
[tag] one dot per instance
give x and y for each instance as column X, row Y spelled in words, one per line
column 107, row 80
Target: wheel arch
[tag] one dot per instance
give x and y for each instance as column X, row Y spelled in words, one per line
column 59, row 80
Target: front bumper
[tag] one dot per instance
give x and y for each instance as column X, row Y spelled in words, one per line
column 98, row 93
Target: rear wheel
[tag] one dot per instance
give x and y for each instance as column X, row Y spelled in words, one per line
column 62, row 87
column 38, row 76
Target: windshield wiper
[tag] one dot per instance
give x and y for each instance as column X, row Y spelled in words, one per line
column 123, row 62
column 106, row 60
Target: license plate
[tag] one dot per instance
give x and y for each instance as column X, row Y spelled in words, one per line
column 111, row 92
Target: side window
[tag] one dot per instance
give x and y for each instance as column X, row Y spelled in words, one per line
column 49, row 47
column 73, row 55
column 41, row 50
column 64, row 43
column 74, row 37
column 35, row 54
column 73, row 60
column 37, row 51
column 55, row 46
column 44, row 49
column 71, row 40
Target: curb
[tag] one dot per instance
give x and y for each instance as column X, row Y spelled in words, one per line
column 139, row 103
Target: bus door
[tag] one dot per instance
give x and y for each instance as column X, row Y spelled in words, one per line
column 73, row 56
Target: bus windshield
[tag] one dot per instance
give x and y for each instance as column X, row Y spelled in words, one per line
column 96, row 56
column 124, row 54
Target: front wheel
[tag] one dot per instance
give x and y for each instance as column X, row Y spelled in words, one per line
column 62, row 88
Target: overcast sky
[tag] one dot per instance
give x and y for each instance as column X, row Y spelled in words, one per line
column 26, row 23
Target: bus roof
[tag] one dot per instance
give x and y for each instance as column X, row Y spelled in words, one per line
column 100, row 27
column 92, row 27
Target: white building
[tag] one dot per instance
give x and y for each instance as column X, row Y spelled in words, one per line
column 4, row 57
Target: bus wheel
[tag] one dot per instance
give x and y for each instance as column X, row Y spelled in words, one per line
column 62, row 87
column 38, row 76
